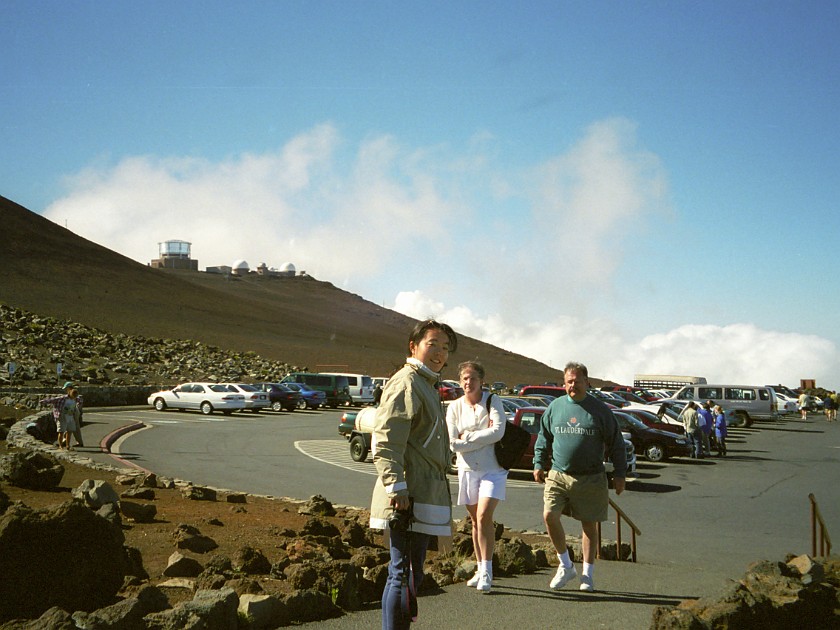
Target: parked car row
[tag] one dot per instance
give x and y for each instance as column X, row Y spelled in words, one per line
column 230, row 397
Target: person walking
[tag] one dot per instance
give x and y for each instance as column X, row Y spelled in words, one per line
column 476, row 422
column 58, row 404
column 692, row 429
column 830, row 407
column 68, row 420
column 411, row 499
column 804, row 403
column 720, row 430
column 575, row 432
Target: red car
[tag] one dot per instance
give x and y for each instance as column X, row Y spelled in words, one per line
column 450, row 390
column 653, row 421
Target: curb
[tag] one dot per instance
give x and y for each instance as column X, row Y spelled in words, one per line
column 106, row 442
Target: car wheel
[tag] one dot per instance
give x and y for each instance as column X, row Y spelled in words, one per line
column 655, row 453
column 358, row 449
column 206, row 408
column 276, row 406
column 302, row 404
column 160, row 404
column 741, row 419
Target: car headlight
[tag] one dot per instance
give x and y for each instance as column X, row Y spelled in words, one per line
column 681, row 441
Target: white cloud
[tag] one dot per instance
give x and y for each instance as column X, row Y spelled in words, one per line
column 737, row 353
column 537, row 248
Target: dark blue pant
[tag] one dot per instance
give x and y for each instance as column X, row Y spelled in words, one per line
column 696, row 438
column 405, row 574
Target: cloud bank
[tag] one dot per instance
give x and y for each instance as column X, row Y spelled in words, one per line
column 399, row 224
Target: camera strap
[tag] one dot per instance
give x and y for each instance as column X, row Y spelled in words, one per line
column 409, row 589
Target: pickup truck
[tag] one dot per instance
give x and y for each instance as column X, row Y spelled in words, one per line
column 356, row 426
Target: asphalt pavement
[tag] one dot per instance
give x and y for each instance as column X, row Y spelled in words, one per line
column 772, row 469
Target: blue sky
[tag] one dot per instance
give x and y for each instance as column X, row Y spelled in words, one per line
column 645, row 187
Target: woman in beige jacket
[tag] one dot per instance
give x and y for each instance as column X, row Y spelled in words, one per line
column 411, row 496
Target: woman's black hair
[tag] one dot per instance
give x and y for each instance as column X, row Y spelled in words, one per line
column 422, row 327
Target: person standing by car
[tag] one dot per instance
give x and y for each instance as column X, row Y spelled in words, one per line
column 720, row 431
column 575, row 432
column 476, row 422
column 706, row 423
column 411, row 499
column 692, row 429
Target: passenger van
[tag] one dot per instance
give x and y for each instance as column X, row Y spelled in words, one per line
column 335, row 386
column 360, row 388
column 745, row 402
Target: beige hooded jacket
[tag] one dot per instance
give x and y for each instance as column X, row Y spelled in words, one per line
column 412, row 451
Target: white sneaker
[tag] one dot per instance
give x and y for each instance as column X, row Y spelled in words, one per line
column 562, row 577
column 586, row 583
column 484, row 583
column 473, row 581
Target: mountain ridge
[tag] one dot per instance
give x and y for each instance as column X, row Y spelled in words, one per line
column 51, row 271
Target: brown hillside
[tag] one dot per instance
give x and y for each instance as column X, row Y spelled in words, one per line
column 51, row 271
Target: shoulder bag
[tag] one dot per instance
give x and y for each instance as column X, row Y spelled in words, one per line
column 512, row 446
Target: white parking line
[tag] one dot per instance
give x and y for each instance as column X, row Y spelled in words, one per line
column 337, row 453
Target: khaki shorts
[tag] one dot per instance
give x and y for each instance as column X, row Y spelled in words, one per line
column 585, row 498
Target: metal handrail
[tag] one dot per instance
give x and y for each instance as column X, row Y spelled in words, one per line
column 824, row 538
column 634, row 531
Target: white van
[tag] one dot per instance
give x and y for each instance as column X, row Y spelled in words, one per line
column 361, row 387
column 745, row 402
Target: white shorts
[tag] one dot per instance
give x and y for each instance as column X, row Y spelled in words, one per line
column 473, row 485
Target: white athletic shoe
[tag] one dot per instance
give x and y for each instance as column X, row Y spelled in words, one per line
column 562, row 577
column 473, row 581
column 484, row 583
column 586, row 583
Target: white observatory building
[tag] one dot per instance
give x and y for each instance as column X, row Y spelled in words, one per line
column 174, row 255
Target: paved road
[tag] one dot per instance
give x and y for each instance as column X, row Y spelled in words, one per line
column 701, row 521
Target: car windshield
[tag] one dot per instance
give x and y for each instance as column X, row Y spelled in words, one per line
column 247, row 388
column 629, row 420
column 647, row 415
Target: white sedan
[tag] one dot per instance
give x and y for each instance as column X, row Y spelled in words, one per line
column 255, row 399
column 786, row 404
column 205, row 397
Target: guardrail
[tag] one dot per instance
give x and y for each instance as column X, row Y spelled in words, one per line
column 824, row 538
column 634, row 531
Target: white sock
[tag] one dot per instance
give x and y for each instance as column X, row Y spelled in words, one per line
column 588, row 569
column 564, row 559
column 486, row 566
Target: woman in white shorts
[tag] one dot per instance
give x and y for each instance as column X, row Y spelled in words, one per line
column 474, row 428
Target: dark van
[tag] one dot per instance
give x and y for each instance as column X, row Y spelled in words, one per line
column 335, row 386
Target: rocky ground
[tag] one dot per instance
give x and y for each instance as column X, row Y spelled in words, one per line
column 265, row 532
column 91, row 356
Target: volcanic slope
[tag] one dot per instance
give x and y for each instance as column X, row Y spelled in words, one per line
column 51, row 271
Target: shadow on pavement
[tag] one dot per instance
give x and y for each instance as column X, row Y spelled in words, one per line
column 621, row 597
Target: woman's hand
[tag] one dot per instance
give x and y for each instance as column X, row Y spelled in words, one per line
column 400, row 503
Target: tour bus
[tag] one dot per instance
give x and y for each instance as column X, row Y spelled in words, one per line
column 745, row 402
